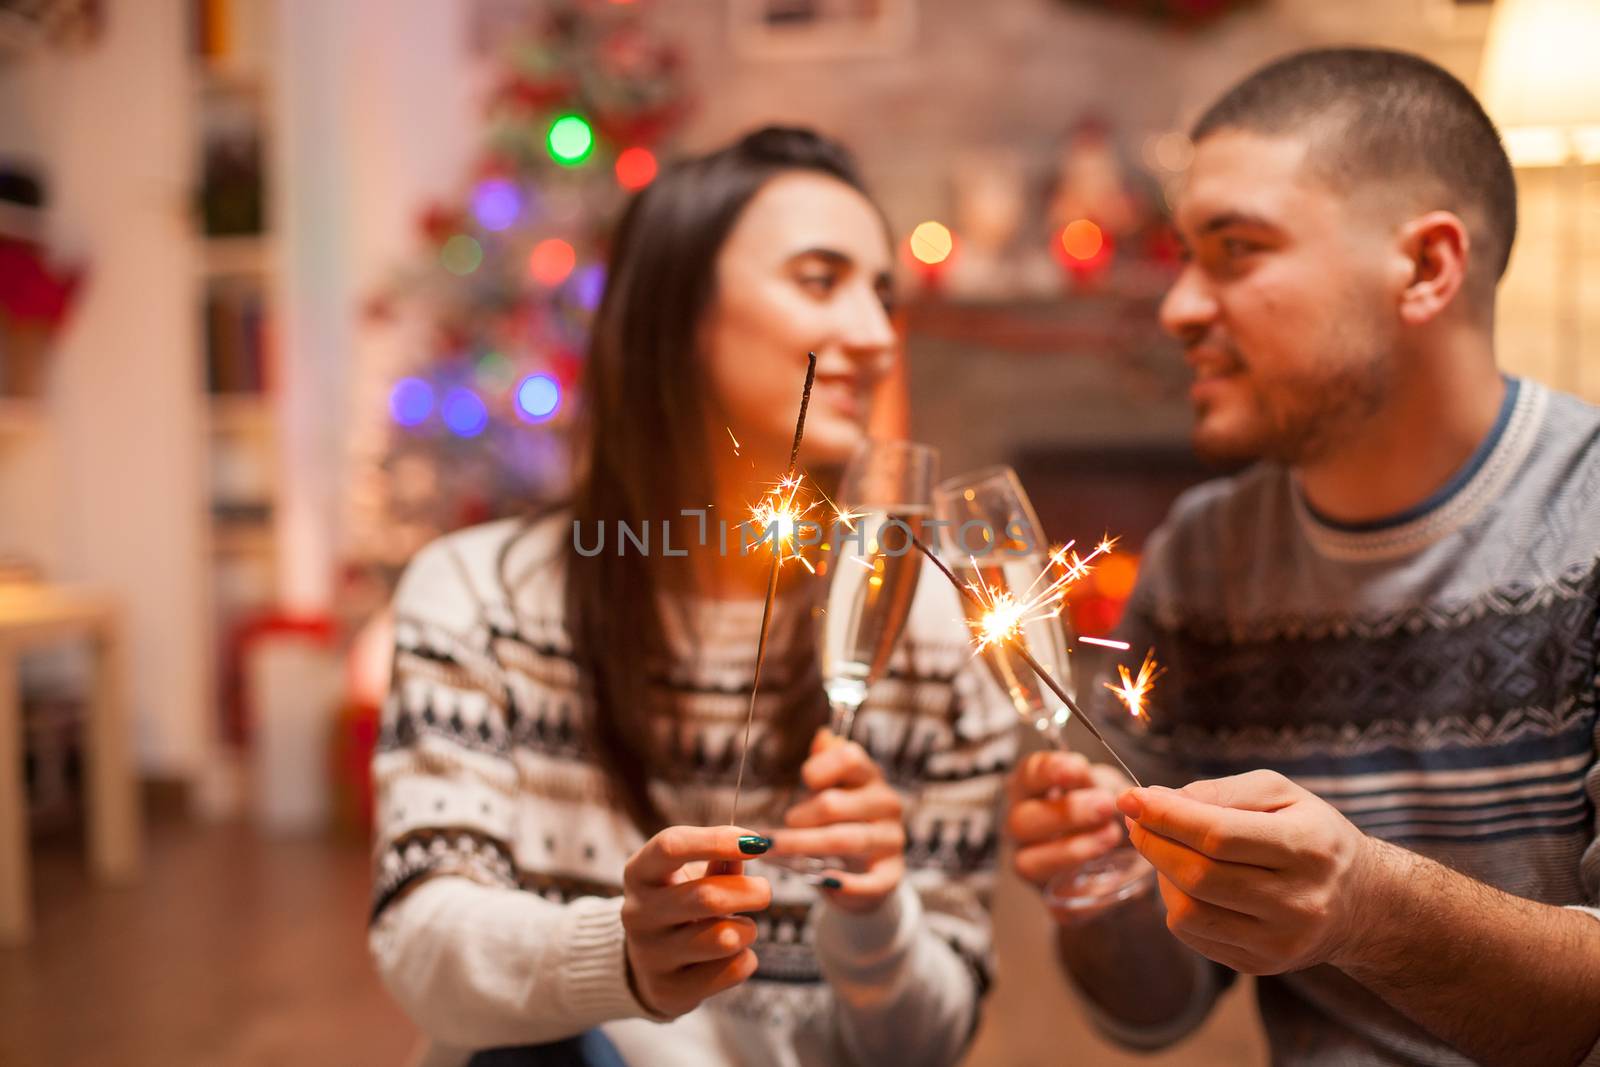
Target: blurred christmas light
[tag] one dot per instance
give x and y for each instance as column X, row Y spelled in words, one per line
column 496, row 203
column 570, row 140
column 1082, row 239
column 1170, row 152
column 538, row 397
column 493, row 372
column 411, row 401
column 461, row 254
column 931, row 243
column 636, row 168
column 589, row 285
column 551, row 261
column 464, row 412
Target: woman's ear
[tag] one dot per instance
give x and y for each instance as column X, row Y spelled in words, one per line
column 1437, row 246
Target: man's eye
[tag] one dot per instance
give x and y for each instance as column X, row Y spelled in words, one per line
column 1233, row 246
column 818, row 284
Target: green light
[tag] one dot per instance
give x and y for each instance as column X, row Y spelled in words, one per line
column 570, row 140
column 461, row 254
column 494, row 372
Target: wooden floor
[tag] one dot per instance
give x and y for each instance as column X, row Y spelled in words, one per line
column 232, row 952
column 239, row 951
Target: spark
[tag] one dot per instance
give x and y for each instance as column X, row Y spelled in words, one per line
column 1134, row 689
column 1006, row 614
column 1106, row 642
column 732, row 438
column 779, row 516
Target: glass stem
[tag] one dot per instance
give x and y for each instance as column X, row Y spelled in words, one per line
column 844, row 717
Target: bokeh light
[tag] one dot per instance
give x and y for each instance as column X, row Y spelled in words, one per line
column 570, row 140
column 538, row 397
column 411, row 401
column 636, row 168
column 1168, row 153
column 464, row 412
column 551, row 261
column 461, row 254
column 1082, row 239
column 589, row 285
column 497, row 203
column 932, row 242
column 493, row 372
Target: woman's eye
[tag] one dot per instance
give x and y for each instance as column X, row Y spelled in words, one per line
column 1233, row 246
column 818, row 284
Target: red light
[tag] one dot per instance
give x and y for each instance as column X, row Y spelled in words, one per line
column 1082, row 239
column 551, row 261
column 636, row 168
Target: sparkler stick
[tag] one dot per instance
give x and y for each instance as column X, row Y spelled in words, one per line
column 772, row 590
column 1033, row 665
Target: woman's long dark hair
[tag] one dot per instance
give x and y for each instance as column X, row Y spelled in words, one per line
column 644, row 455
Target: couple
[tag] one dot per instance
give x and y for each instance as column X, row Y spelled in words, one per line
column 1397, row 609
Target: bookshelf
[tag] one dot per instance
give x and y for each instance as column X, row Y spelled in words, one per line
column 237, row 297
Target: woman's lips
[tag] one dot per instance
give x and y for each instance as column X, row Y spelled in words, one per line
column 843, row 394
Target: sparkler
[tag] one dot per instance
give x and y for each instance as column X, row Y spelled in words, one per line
column 1007, row 628
column 778, row 509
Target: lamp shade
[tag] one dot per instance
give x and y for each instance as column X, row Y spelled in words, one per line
column 1540, row 82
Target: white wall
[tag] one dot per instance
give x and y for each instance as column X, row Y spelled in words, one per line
column 377, row 105
column 110, row 492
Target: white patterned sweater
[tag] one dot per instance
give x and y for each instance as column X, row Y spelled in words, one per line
column 496, row 918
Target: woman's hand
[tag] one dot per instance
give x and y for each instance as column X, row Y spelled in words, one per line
column 686, row 936
column 852, row 814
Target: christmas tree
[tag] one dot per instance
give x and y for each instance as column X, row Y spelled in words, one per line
column 478, row 426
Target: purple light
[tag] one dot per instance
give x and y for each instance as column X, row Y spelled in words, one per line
column 538, row 397
column 411, row 401
column 588, row 285
column 497, row 203
column 464, row 412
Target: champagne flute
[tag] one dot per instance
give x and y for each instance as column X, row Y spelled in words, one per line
column 993, row 540
column 870, row 571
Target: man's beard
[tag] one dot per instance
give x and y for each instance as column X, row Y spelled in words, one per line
column 1298, row 418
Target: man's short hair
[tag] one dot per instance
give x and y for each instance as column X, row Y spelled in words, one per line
column 1380, row 115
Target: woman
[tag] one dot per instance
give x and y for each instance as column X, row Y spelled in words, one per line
column 563, row 733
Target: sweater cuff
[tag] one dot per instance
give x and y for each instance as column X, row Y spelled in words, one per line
column 594, row 974
column 861, row 947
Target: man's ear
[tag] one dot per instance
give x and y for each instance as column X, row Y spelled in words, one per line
column 1437, row 247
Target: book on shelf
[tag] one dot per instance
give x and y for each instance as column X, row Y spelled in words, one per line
column 235, row 338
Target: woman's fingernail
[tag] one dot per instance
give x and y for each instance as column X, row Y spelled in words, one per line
column 754, row 844
column 1130, row 805
column 832, row 883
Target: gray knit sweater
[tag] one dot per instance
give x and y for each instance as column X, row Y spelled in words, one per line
column 1434, row 677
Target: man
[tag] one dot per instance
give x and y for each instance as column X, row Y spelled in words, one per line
column 1397, row 611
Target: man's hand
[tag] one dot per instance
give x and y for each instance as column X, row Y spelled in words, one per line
column 1256, row 872
column 852, row 813
column 1063, row 814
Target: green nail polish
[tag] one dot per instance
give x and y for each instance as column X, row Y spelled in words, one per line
column 832, row 883
column 754, row 844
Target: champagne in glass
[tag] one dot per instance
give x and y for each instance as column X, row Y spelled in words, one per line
column 871, row 583
column 993, row 539
column 871, row 569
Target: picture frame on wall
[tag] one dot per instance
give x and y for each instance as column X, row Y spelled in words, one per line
column 820, row 29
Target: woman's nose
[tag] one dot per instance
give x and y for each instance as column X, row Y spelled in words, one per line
column 867, row 330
